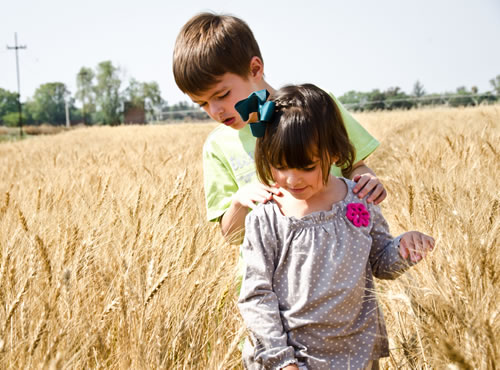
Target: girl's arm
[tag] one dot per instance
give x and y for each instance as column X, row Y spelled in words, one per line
column 258, row 303
column 390, row 257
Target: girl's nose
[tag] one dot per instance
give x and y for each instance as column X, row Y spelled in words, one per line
column 291, row 178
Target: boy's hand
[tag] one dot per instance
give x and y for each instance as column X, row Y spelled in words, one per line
column 367, row 183
column 416, row 245
column 250, row 194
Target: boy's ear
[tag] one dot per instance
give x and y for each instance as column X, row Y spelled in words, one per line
column 256, row 67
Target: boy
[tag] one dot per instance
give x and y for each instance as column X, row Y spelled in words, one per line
column 217, row 62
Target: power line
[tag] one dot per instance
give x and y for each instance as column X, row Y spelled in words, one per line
column 19, row 107
column 442, row 97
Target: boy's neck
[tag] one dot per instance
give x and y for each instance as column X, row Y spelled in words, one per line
column 265, row 85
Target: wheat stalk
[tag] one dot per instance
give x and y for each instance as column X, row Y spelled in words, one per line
column 39, row 331
column 15, row 304
column 156, row 288
column 45, row 257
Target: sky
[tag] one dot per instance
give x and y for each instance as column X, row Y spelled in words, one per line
column 338, row 45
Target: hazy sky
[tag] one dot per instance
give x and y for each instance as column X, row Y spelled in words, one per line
column 338, row 45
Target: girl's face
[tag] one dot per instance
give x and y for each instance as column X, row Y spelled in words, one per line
column 302, row 184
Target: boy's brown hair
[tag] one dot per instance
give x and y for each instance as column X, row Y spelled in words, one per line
column 210, row 45
column 306, row 123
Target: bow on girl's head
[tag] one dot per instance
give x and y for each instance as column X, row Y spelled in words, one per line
column 257, row 111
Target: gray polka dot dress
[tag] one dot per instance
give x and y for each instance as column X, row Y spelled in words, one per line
column 308, row 295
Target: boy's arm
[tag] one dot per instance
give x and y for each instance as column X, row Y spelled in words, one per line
column 225, row 202
column 365, row 144
column 233, row 220
column 258, row 303
column 367, row 183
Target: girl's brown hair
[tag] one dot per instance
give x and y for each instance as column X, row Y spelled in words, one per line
column 210, row 45
column 306, row 124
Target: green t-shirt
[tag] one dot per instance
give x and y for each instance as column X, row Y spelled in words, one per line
column 228, row 160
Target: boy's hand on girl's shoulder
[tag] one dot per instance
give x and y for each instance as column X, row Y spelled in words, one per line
column 415, row 245
column 368, row 183
column 247, row 196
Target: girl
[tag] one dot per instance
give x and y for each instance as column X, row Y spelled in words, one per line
column 308, row 296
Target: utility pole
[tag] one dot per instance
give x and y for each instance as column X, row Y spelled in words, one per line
column 66, row 108
column 19, row 107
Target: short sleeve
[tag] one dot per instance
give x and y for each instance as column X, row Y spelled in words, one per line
column 219, row 182
column 364, row 143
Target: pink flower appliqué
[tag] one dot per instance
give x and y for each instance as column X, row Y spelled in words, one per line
column 357, row 214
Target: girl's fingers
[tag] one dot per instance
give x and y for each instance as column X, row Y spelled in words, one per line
column 431, row 242
column 419, row 246
column 416, row 245
column 403, row 250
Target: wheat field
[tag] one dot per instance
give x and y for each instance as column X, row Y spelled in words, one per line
column 107, row 260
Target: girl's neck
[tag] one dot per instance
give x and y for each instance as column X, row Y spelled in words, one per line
column 334, row 191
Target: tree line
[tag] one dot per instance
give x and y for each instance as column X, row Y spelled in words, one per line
column 103, row 100
column 395, row 98
column 101, row 95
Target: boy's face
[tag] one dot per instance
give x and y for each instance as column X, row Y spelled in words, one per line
column 220, row 99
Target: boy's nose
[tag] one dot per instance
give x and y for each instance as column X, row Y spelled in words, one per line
column 216, row 110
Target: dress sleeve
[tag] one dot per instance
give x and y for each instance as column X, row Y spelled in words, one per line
column 219, row 182
column 385, row 259
column 258, row 303
column 364, row 143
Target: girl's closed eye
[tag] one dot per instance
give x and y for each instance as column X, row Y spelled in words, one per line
column 309, row 168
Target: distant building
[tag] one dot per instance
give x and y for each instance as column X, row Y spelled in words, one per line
column 134, row 113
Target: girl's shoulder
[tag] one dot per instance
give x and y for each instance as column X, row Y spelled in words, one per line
column 350, row 196
column 264, row 211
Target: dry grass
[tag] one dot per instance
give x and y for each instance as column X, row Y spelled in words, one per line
column 106, row 259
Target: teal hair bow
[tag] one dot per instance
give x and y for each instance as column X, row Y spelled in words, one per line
column 256, row 102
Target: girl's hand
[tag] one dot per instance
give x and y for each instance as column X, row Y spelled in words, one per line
column 367, row 183
column 416, row 245
column 250, row 194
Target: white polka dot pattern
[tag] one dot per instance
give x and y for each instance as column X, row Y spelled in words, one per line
column 308, row 294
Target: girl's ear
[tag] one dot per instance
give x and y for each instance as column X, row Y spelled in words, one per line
column 256, row 68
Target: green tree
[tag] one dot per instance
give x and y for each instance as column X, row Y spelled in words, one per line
column 461, row 98
column 107, row 91
column 354, row 100
column 418, row 90
column 12, row 119
column 376, row 100
column 8, row 104
column 49, row 103
column 147, row 95
column 154, row 101
column 395, row 98
column 495, row 83
column 85, row 93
